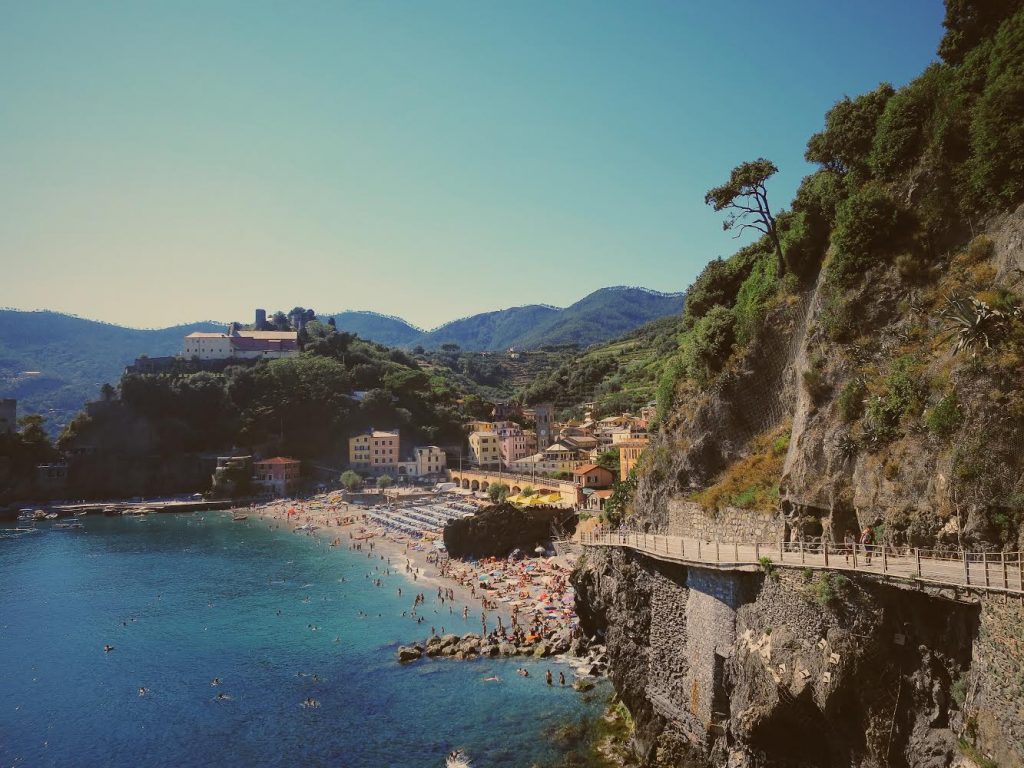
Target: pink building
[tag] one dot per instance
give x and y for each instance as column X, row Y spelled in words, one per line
column 516, row 445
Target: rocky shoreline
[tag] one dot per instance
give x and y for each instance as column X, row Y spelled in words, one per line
column 588, row 658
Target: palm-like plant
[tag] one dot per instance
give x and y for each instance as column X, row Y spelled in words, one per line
column 974, row 323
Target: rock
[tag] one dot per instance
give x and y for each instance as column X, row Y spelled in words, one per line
column 580, row 684
column 448, row 640
column 491, row 649
column 540, row 650
column 407, row 653
column 507, row 649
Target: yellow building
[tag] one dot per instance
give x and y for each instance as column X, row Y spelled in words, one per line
column 480, row 426
column 374, row 452
column 485, row 449
column 430, row 460
column 629, row 454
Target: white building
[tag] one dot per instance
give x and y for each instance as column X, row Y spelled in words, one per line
column 430, row 460
column 244, row 345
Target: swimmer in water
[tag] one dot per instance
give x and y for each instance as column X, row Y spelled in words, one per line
column 492, row 679
column 108, row 648
column 142, row 691
column 215, row 681
column 223, row 697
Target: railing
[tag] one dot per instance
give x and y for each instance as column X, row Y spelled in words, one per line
column 993, row 571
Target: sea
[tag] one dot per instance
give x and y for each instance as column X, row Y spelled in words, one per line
column 277, row 618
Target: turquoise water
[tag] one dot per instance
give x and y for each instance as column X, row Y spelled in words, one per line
column 184, row 599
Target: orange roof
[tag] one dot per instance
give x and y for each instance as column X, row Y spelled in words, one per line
column 587, row 468
column 604, row 494
column 279, row 460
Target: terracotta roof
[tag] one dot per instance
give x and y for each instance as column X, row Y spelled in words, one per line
column 604, row 494
column 587, row 468
column 278, row 460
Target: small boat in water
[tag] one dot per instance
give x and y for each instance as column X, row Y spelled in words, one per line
column 457, row 760
column 239, row 518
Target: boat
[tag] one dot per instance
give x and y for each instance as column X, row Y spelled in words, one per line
column 239, row 518
column 69, row 526
column 39, row 515
column 82, row 513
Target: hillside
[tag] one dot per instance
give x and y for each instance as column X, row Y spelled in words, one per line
column 383, row 329
column 858, row 374
column 53, row 363
column 599, row 317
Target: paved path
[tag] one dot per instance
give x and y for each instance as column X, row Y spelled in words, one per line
column 993, row 571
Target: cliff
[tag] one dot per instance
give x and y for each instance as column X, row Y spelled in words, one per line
column 878, row 382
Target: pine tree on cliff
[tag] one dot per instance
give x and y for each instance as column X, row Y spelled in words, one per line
column 746, row 198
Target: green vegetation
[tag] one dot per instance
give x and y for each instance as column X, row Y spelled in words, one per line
column 902, row 395
column 745, row 197
column 498, row 492
column 851, row 400
column 752, row 482
column 20, row 452
column 385, row 481
column 945, row 418
column 769, row 569
column 830, row 588
column 351, row 480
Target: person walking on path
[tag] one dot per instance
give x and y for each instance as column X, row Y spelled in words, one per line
column 867, row 540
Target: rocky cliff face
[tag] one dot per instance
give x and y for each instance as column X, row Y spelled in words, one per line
column 782, row 669
column 887, row 425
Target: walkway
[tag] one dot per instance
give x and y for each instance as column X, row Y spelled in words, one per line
column 992, row 571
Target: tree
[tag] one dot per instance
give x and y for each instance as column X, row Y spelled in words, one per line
column 385, row 481
column 32, row 431
column 609, row 459
column 745, row 197
column 351, row 480
column 497, row 492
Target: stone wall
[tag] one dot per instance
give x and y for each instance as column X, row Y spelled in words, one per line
column 995, row 690
column 711, row 632
column 686, row 518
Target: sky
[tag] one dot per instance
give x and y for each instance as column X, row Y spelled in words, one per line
column 169, row 162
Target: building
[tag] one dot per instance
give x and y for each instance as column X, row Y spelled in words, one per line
column 430, row 460
column 554, row 458
column 485, row 449
column 278, row 475
column 503, row 410
column 595, row 500
column 242, row 345
column 544, row 423
column 480, row 426
column 8, row 416
column 517, row 445
column 629, row 454
column 592, row 476
column 375, row 452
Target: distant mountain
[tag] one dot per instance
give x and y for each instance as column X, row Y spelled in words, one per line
column 603, row 315
column 53, row 363
column 384, row 329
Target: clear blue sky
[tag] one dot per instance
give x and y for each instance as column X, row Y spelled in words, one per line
column 176, row 161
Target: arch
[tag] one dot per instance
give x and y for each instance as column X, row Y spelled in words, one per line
column 475, row 485
column 465, row 484
column 484, row 485
column 516, row 490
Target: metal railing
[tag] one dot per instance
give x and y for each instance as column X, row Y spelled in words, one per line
column 993, row 571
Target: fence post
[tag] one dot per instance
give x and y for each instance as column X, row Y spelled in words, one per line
column 885, row 559
column 1006, row 578
column 802, row 560
column 967, row 569
column 854, row 548
column 984, row 561
column 781, row 543
column 824, row 548
column 698, row 549
column 917, row 551
column 1020, row 570
column 736, row 551
column 757, row 551
column 718, row 552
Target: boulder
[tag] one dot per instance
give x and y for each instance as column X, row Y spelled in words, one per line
column 579, row 684
column 407, row 653
column 540, row 650
column 507, row 649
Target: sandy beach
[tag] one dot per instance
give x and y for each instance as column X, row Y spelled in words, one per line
column 532, row 593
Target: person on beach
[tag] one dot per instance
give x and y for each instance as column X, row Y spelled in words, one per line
column 548, row 678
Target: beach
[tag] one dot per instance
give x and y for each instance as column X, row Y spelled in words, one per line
column 532, row 593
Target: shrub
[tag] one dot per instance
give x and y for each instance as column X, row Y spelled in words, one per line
column 901, row 132
column 945, row 418
column 720, row 280
column 997, row 124
column 753, row 298
column 850, row 125
column 866, row 224
column 830, row 588
column 814, row 380
column 851, row 400
column 902, row 396
column 980, row 248
column 768, row 567
column 839, row 319
column 709, row 345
